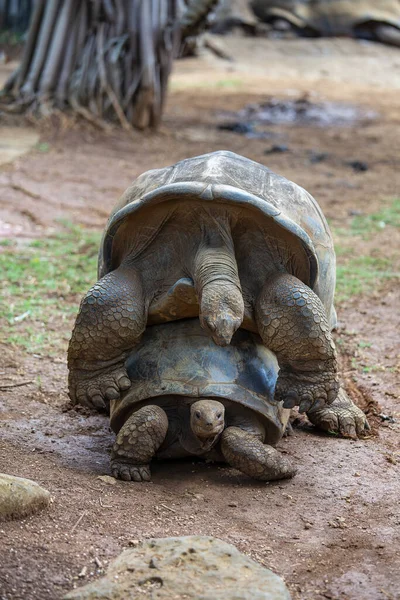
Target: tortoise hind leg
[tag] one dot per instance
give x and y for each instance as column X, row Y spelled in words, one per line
column 292, row 323
column 246, row 452
column 137, row 442
column 342, row 416
column 111, row 319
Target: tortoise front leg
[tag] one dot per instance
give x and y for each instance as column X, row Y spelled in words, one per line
column 246, row 452
column 137, row 442
column 292, row 323
column 111, row 319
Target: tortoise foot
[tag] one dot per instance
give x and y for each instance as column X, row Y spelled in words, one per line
column 96, row 388
column 137, row 442
column 308, row 390
column 247, row 453
column 342, row 417
column 128, row 472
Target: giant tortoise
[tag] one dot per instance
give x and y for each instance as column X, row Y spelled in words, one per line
column 222, row 244
column 354, row 18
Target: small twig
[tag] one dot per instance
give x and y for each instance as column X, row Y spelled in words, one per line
column 20, row 188
column 5, row 386
column 168, row 508
column 78, row 521
column 98, row 562
column 104, row 505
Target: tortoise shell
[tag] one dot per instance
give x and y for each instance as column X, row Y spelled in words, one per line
column 329, row 17
column 263, row 205
column 180, row 359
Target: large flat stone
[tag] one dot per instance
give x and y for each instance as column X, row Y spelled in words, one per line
column 185, row 568
column 20, row 497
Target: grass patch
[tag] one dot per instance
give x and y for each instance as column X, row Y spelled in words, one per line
column 11, row 38
column 388, row 216
column 229, row 83
column 43, row 282
column 364, row 274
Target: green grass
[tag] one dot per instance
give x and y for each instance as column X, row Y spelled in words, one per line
column 229, row 83
column 364, row 274
column 43, row 282
column 364, row 225
column 11, row 38
column 42, row 147
column 362, row 344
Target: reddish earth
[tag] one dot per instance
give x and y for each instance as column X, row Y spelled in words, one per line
column 334, row 530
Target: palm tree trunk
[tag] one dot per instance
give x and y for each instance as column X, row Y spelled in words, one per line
column 108, row 60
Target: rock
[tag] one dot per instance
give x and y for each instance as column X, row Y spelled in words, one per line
column 318, row 157
column 237, row 127
column 277, row 149
column 20, row 497
column 190, row 568
column 358, row 165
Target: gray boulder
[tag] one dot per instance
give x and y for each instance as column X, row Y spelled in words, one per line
column 20, row 497
column 184, row 568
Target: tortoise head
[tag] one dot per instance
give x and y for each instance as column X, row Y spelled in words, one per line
column 207, row 421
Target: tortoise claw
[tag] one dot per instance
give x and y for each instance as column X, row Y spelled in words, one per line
column 96, row 388
column 128, row 472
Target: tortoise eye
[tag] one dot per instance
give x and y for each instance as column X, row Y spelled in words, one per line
column 198, row 415
column 219, row 415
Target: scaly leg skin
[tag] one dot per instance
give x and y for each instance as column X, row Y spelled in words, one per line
column 217, row 284
column 137, row 442
column 111, row 319
column 342, row 416
column 246, row 452
column 292, row 323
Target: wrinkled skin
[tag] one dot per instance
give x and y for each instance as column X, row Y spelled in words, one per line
column 207, row 420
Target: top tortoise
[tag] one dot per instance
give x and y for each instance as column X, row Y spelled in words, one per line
column 358, row 18
column 220, row 238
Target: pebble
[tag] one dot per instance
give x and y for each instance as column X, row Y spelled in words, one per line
column 107, row 479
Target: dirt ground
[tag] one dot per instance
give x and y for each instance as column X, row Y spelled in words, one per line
column 334, row 530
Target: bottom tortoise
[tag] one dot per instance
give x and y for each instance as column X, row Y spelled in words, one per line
column 213, row 312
